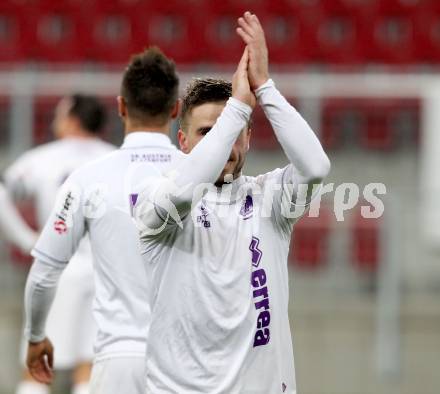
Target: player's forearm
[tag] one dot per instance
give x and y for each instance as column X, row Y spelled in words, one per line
column 297, row 139
column 12, row 224
column 203, row 165
column 39, row 293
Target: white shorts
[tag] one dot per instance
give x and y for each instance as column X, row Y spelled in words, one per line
column 70, row 324
column 121, row 374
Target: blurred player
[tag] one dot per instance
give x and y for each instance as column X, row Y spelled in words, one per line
column 98, row 199
column 38, row 174
column 220, row 283
column 12, row 225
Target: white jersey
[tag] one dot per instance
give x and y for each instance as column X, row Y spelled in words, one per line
column 98, row 199
column 219, row 276
column 220, row 297
column 41, row 171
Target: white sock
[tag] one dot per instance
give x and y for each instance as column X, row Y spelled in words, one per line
column 81, row 388
column 26, row 387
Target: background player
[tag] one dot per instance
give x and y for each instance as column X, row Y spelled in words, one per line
column 220, row 283
column 102, row 196
column 38, row 174
column 12, row 225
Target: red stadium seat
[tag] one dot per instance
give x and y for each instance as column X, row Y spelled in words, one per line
column 286, row 37
column 342, row 121
column 309, row 248
column 14, row 32
column 58, row 32
column 377, row 124
column 366, row 242
column 176, row 28
column 115, row 33
column 339, row 39
column 390, row 123
column 428, row 33
column 392, row 36
column 221, row 40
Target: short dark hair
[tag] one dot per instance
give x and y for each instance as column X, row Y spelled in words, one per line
column 150, row 86
column 204, row 90
column 90, row 112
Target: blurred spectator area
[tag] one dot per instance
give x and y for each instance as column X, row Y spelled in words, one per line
column 336, row 32
column 377, row 125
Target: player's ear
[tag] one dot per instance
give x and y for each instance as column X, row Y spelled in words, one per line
column 183, row 141
column 122, row 107
column 175, row 112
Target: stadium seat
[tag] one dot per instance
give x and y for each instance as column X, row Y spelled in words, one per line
column 309, row 249
column 366, row 247
column 377, row 134
column 390, row 123
column 428, row 33
column 286, row 37
column 58, row 32
column 392, row 37
column 339, row 40
column 341, row 122
column 116, row 32
column 374, row 124
column 14, row 32
column 221, row 40
column 176, row 28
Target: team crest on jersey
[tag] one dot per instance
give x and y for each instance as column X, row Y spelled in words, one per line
column 203, row 217
column 247, row 208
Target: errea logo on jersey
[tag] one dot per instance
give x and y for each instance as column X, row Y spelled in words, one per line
column 60, row 225
column 260, row 294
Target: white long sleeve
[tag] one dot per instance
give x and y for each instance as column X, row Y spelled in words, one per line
column 203, row 165
column 297, row 139
column 39, row 294
column 12, row 224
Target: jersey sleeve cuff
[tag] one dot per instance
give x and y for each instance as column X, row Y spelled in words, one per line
column 268, row 85
column 243, row 108
column 33, row 338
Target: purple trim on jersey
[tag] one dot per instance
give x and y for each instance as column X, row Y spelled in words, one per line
column 133, row 201
column 256, row 253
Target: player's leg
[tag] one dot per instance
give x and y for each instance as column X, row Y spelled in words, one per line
column 29, row 386
column 118, row 375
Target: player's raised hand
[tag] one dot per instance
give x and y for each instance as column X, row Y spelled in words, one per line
column 240, row 82
column 40, row 361
column 252, row 33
